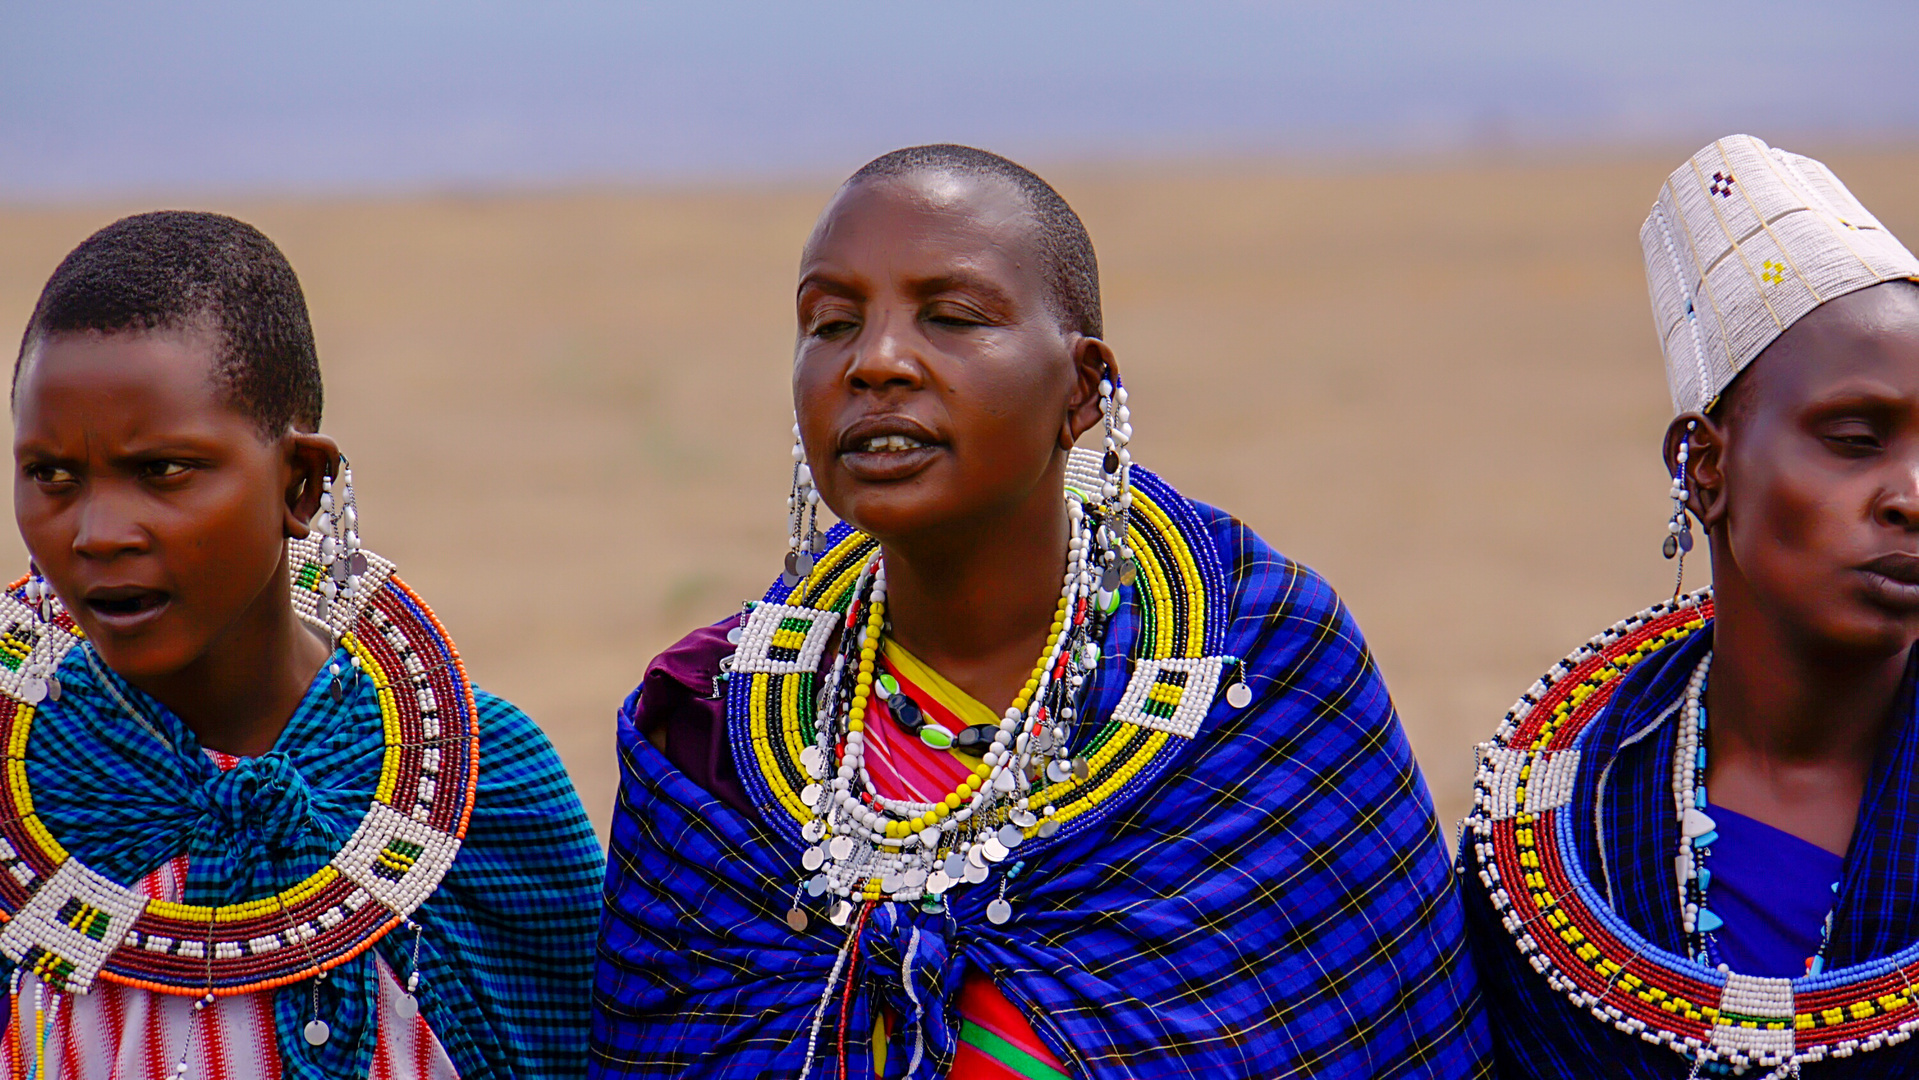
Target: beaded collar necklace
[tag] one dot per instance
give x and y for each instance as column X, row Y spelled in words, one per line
column 1050, row 771
column 70, row 925
column 1524, row 839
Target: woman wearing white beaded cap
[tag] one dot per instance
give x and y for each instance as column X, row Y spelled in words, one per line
column 1045, row 770
column 1696, row 833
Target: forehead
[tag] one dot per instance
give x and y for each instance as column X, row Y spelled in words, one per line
column 925, row 224
column 143, row 378
column 1866, row 341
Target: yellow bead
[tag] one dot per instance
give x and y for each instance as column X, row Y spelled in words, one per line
column 866, row 666
column 867, row 653
column 951, row 804
column 855, row 723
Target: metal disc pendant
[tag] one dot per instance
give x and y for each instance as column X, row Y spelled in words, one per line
column 792, row 564
column 323, row 609
column 1109, row 579
column 813, row 831
column 810, row 794
column 733, row 636
column 1110, row 462
column 975, row 874
column 340, row 573
column 336, row 690
column 1058, row 771
column 53, row 689
column 34, row 691
column 317, row 1032
column 914, row 878
column 1685, row 540
column 408, row 1007
column 1048, row 827
column 937, row 882
column 1010, row 836
column 841, row 846
column 803, row 563
column 994, row 850
column 1670, row 547
column 1128, row 571
column 955, row 865
column 816, row 885
column 842, row 912
column 813, row 859
column 1239, row 695
column 796, row 920
column 1081, row 769
column 821, row 545
column 999, row 911
column 358, row 564
column 1043, row 741
column 1025, row 819
column 810, row 760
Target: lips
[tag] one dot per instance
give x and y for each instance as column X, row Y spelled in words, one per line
column 1893, row 580
column 884, row 449
column 123, row 608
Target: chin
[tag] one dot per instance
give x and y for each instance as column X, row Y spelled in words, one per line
column 143, row 657
column 1861, row 627
column 891, row 511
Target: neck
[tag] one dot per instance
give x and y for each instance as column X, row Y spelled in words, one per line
column 240, row 694
column 1777, row 697
column 976, row 603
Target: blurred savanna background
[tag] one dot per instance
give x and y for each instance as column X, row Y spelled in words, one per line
column 1371, row 271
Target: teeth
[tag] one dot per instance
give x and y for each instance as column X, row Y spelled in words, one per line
column 881, row 444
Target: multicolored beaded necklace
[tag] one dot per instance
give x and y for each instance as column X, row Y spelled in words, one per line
column 1525, row 841
column 69, row 925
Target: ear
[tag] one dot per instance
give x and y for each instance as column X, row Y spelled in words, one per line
column 311, row 458
column 1092, row 361
column 1705, row 443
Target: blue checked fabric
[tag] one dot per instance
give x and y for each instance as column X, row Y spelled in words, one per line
column 1279, row 904
column 507, row 940
column 1538, row 1032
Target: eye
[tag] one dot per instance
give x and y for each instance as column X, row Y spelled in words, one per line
column 166, row 470
column 50, row 475
column 1854, row 439
column 832, row 327
column 954, row 315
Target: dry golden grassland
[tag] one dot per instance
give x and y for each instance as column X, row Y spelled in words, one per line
column 1437, row 384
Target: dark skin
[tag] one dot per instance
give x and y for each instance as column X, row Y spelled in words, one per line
column 159, row 512
column 1808, row 488
column 924, row 316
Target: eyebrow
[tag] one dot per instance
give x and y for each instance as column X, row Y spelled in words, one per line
column 922, row 289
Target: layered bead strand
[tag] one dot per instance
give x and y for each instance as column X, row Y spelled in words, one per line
column 869, row 847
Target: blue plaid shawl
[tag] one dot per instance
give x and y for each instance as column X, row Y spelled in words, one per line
column 1538, row 1032
column 1278, row 903
column 506, row 945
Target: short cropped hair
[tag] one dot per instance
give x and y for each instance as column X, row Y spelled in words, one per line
column 180, row 269
column 1072, row 271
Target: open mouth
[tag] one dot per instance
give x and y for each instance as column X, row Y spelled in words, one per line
column 880, row 449
column 121, row 605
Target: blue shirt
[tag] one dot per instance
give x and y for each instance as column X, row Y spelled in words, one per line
column 1773, row 889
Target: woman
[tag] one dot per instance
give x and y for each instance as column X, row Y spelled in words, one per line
column 1033, row 767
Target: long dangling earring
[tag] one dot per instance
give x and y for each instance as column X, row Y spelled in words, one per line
column 1679, row 527
column 803, row 537
column 341, row 560
column 1116, row 490
column 38, row 681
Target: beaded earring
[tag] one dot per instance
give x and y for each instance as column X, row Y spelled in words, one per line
column 804, row 539
column 1679, row 528
column 38, row 681
column 1118, row 565
column 338, row 524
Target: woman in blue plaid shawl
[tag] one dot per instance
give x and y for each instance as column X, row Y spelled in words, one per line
column 1195, row 844
column 257, row 822
column 1693, row 848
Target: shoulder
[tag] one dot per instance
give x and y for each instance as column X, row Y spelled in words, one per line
column 1268, row 592
column 520, row 771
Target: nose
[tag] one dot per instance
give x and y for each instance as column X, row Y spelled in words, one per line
column 106, row 526
column 887, row 354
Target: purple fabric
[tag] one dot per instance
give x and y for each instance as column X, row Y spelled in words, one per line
column 676, row 699
column 1773, row 889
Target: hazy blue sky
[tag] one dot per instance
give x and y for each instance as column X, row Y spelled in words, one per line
column 349, row 95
